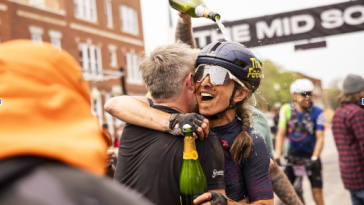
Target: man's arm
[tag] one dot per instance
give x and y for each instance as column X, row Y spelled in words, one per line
column 357, row 123
column 279, row 141
column 184, row 30
column 282, row 187
column 136, row 110
column 281, row 133
column 219, row 198
column 319, row 135
column 319, row 143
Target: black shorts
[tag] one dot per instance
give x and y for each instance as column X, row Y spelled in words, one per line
column 316, row 170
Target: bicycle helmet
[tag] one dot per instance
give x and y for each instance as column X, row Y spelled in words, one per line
column 236, row 58
column 301, row 86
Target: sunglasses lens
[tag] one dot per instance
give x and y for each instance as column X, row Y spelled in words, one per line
column 219, row 76
column 200, row 73
column 306, row 93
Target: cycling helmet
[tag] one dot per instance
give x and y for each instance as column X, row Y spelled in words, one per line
column 301, row 86
column 236, row 58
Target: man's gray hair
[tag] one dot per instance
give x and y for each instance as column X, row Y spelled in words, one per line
column 166, row 67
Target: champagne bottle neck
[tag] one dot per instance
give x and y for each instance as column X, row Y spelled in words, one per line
column 207, row 13
column 189, row 149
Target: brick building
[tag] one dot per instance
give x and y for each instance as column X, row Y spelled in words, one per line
column 106, row 36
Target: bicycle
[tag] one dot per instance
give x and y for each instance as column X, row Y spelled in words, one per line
column 301, row 168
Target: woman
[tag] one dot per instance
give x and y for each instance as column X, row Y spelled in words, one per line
column 227, row 74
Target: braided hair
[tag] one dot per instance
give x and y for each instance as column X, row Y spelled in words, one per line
column 242, row 144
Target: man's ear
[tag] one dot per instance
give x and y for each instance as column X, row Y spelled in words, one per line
column 294, row 96
column 190, row 82
column 240, row 95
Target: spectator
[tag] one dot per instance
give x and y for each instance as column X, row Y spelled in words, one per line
column 348, row 129
column 52, row 149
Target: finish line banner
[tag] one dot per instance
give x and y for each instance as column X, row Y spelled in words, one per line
column 290, row 26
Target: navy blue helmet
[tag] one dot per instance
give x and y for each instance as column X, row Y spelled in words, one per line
column 236, row 58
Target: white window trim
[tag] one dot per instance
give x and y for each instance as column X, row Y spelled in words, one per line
column 36, row 31
column 57, row 36
column 113, row 56
column 108, row 12
column 91, row 64
column 37, row 3
column 129, row 20
column 133, row 74
column 84, row 10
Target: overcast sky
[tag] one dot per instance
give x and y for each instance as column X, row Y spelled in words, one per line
column 344, row 53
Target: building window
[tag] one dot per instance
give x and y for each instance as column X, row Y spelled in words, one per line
column 36, row 33
column 129, row 20
column 56, row 38
column 85, row 9
column 108, row 12
column 132, row 64
column 37, row 3
column 113, row 56
column 90, row 59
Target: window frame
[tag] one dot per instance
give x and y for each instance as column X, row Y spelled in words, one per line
column 36, row 33
column 85, row 10
column 134, row 76
column 108, row 12
column 90, row 59
column 129, row 20
column 56, row 37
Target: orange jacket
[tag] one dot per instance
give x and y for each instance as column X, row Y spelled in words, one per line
column 46, row 108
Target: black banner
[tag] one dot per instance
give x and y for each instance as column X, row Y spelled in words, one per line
column 291, row 26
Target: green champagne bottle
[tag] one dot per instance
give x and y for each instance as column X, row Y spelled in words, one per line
column 194, row 8
column 192, row 181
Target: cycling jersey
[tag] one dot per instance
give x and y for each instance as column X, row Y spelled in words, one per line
column 304, row 139
column 251, row 176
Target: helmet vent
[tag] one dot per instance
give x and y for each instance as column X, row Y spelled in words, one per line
column 240, row 63
column 215, row 47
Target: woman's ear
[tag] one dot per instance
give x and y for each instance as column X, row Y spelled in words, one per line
column 240, row 95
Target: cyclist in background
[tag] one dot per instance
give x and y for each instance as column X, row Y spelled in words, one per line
column 304, row 124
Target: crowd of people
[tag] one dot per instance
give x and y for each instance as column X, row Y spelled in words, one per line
column 58, row 153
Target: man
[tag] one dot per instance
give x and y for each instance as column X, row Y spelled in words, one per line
column 52, row 149
column 304, row 124
column 150, row 161
column 348, row 129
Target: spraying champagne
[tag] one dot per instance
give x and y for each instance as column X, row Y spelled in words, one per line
column 194, row 8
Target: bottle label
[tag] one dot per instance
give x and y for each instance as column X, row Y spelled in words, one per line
column 199, row 10
column 189, row 151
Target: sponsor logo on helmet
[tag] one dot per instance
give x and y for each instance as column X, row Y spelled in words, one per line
column 255, row 71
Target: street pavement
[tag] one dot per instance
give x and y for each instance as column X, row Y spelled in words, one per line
column 334, row 191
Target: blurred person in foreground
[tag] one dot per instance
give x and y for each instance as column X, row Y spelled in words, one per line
column 52, row 148
column 304, row 124
column 348, row 130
